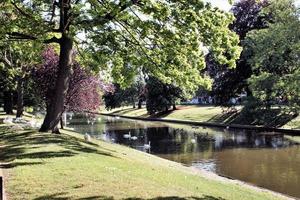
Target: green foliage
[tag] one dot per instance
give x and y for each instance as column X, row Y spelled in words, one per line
column 276, row 52
column 162, row 39
column 125, row 96
column 160, row 96
column 264, row 87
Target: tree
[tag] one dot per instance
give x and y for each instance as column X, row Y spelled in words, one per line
column 160, row 96
column 275, row 60
column 231, row 82
column 125, row 96
column 84, row 89
column 161, row 38
column 16, row 63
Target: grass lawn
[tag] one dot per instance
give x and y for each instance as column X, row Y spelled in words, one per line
column 213, row 114
column 46, row 166
column 192, row 112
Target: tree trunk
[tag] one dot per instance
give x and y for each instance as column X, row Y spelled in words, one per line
column 174, row 106
column 8, row 102
column 56, row 106
column 61, row 123
column 166, row 108
column 20, row 91
column 140, row 104
column 133, row 103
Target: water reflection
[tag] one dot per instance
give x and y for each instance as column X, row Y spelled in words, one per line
column 268, row 160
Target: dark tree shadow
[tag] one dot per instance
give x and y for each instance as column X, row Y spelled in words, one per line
column 19, row 145
column 62, row 196
column 123, row 111
column 17, row 164
column 57, row 196
column 274, row 118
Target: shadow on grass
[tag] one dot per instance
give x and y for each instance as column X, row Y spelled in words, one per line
column 29, row 145
column 274, row 118
column 162, row 114
column 123, row 111
column 62, row 196
column 17, row 164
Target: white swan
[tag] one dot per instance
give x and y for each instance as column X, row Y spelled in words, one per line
column 147, row 146
column 127, row 136
column 134, row 138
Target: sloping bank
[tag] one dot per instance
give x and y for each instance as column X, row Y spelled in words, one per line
column 292, row 132
column 48, row 166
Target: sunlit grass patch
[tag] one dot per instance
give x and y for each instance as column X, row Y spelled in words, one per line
column 47, row 166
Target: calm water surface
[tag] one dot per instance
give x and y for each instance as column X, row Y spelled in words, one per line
column 268, row 161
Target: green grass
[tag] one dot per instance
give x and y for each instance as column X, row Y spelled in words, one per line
column 195, row 113
column 294, row 124
column 217, row 114
column 47, row 166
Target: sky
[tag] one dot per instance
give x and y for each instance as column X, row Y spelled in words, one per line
column 224, row 4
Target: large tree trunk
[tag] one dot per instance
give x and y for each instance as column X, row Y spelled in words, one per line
column 140, row 104
column 133, row 103
column 8, row 102
column 62, row 83
column 20, row 91
column 174, row 106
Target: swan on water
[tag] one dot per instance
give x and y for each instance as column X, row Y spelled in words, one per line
column 147, row 146
column 127, row 136
column 134, row 138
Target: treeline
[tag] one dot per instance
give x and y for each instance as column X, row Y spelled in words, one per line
column 67, row 55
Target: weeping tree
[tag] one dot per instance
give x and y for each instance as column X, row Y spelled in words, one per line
column 165, row 39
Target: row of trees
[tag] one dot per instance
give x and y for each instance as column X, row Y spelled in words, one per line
column 163, row 39
column 268, row 67
column 159, row 96
column 166, row 43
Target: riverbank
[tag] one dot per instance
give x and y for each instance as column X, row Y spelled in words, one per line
column 214, row 116
column 47, row 166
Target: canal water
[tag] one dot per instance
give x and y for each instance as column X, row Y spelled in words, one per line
column 266, row 160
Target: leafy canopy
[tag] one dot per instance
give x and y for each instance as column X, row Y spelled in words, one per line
column 166, row 39
column 276, row 52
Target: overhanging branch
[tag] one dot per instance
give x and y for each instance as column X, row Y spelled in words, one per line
column 110, row 15
column 22, row 36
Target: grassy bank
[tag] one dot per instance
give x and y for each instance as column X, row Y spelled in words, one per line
column 213, row 114
column 46, row 166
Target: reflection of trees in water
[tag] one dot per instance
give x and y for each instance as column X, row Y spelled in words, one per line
column 250, row 140
column 169, row 140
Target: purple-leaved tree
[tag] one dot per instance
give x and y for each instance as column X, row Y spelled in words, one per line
column 84, row 91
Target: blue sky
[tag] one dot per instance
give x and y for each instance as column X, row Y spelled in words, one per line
column 224, row 4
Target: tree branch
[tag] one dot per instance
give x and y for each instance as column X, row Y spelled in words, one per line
column 20, row 10
column 22, row 36
column 110, row 15
column 52, row 40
